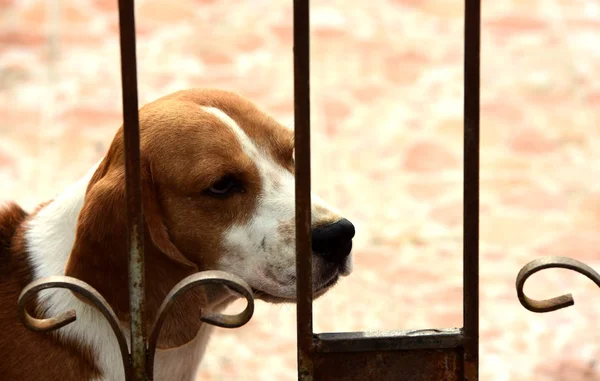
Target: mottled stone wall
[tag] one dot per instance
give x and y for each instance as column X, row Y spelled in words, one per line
column 387, row 125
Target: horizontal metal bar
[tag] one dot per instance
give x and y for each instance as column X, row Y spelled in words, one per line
column 414, row 365
column 389, row 340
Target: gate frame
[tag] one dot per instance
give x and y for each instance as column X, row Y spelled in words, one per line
column 424, row 354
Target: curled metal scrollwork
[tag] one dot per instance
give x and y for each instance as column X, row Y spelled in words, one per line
column 231, row 281
column 201, row 279
column 558, row 302
column 67, row 317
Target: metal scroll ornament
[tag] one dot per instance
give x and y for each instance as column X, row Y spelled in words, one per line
column 83, row 289
column 558, row 302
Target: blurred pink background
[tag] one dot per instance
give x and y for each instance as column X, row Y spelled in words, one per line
column 387, row 150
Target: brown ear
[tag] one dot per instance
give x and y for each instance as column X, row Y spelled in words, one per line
column 99, row 254
column 155, row 222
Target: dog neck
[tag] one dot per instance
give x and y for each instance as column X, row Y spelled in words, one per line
column 50, row 236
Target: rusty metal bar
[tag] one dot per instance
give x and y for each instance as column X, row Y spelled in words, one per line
column 471, row 189
column 422, row 354
column 390, row 365
column 404, row 340
column 135, row 218
column 303, row 197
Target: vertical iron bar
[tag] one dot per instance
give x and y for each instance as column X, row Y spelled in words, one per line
column 133, row 188
column 471, row 189
column 303, row 200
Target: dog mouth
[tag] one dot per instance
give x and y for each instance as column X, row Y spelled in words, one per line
column 267, row 297
column 327, row 285
column 323, row 280
column 317, row 291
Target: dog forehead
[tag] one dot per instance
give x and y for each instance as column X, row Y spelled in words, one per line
column 250, row 147
column 250, row 124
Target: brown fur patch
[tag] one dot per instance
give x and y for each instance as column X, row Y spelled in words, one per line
column 261, row 128
column 26, row 355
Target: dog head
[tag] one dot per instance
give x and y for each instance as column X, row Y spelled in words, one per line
column 218, row 193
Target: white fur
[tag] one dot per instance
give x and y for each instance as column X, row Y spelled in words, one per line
column 182, row 363
column 258, row 251
column 49, row 239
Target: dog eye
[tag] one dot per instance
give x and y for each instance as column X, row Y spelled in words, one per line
column 224, row 187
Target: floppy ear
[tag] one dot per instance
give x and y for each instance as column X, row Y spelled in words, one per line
column 155, row 223
column 99, row 255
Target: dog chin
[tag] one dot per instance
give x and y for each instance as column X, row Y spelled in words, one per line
column 276, row 299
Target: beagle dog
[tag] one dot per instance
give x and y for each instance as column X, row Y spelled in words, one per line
column 218, row 194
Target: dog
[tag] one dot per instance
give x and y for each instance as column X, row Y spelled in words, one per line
column 218, row 194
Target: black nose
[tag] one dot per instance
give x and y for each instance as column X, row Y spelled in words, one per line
column 333, row 241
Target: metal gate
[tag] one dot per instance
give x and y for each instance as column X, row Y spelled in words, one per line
column 422, row 354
